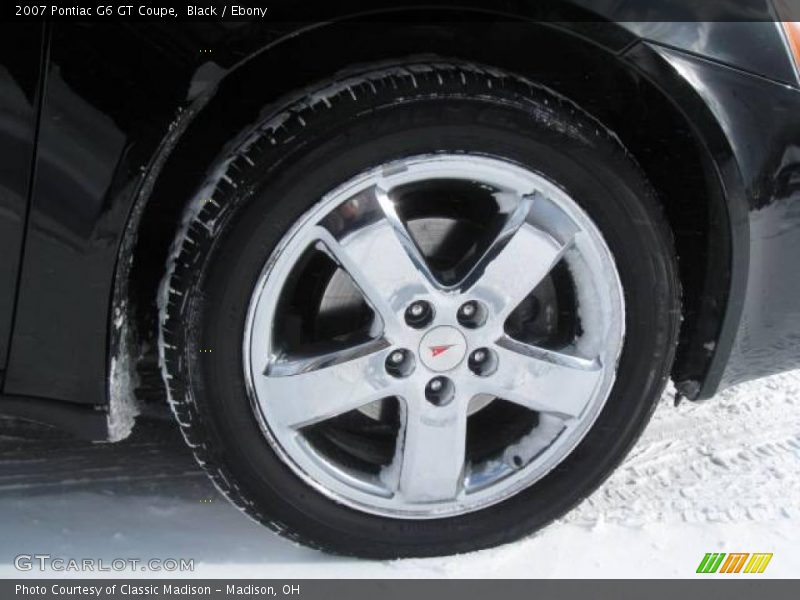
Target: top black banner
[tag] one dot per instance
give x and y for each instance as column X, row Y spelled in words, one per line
column 412, row 10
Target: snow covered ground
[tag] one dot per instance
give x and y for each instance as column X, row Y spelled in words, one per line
column 722, row 476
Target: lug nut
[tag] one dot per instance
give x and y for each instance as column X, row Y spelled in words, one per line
column 400, row 363
column 482, row 362
column 440, row 391
column 471, row 315
column 419, row 314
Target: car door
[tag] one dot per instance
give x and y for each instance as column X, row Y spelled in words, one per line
column 21, row 47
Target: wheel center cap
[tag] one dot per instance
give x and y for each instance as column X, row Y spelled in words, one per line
column 442, row 348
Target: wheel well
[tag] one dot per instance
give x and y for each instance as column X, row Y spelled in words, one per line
column 652, row 129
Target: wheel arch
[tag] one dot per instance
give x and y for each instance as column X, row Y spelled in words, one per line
column 630, row 96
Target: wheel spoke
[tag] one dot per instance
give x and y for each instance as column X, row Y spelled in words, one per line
column 433, row 451
column 303, row 364
column 515, row 264
column 543, row 380
column 308, row 391
column 370, row 242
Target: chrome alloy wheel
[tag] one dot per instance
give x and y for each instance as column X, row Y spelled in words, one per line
column 460, row 342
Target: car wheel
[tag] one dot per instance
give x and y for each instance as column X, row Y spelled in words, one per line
column 418, row 309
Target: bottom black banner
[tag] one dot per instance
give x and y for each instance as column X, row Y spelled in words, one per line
column 389, row 589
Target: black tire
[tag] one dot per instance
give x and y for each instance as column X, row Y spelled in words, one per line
column 308, row 144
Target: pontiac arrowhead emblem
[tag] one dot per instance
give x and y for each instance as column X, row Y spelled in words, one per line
column 437, row 350
column 442, row 348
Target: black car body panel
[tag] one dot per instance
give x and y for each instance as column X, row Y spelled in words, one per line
column 752, row 47
column 757, row 161
column 133, row 113
column 19, row 100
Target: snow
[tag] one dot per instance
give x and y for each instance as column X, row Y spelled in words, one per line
column 720, row 476
column 123, row 381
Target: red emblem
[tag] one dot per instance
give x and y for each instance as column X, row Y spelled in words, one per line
column 437, row 350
